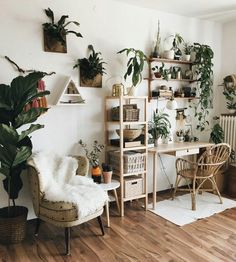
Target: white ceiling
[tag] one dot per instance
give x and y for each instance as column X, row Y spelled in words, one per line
column 218, row 10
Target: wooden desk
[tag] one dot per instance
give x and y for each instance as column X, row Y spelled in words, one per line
column 175, row 149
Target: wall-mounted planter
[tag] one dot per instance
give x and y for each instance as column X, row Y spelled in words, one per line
column 95, row 82
column 52, row 44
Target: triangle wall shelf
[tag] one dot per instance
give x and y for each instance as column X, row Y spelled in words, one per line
column 70, row 95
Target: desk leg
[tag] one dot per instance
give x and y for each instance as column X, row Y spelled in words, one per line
column 117, row 200
column 107, row 213
column 154, row 181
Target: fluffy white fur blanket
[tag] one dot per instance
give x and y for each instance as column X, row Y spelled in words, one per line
column 59, row 182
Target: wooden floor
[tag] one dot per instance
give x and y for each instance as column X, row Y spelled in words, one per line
column 139, row 236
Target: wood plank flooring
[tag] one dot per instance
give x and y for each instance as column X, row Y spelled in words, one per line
column 139, row 236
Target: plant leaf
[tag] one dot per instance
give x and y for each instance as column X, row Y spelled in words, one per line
column 22, row 155
column 30, row 130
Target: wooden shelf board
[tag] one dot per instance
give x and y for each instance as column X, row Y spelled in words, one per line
column 126, row 97
column 117, row 173
column 169, row 61
column 178, row 80
column 178, row 98
column 128, row 123
column 134, row 197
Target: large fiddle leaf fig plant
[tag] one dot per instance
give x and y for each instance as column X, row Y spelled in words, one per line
column 15, row 142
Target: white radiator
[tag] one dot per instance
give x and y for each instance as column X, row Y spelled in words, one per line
column 228, row 124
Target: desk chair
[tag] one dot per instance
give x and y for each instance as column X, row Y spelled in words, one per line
column 204, row 169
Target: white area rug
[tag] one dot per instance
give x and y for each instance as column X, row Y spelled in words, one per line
column 179, row 211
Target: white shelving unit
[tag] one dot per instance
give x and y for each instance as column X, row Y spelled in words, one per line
column 110, row 130
column 70, row 95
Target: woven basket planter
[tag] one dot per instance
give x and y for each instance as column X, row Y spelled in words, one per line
column 12, row 229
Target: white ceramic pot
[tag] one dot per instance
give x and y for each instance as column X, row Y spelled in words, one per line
column 192, row 56
column 169, row 54
column 186, row 57
column 232, row 111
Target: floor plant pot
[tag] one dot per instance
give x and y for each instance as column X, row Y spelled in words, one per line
column 13, row 227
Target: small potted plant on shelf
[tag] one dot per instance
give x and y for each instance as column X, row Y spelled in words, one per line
column 91, row 69
column 187, row 51
column 174, row 52
column 135, row 66
column 55, row 33
column 106, row 172
column 16, row 147
column 230, row 96
column 93, row 157
column 159, row 126
column 158, row 70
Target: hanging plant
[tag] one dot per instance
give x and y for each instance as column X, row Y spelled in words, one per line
column 204, row 73
column 55, row 33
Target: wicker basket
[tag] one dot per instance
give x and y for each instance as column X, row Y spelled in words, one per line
column 133, row 186
column 134, row 162
column 12, row 229
column 130, row 134
column 130, row 113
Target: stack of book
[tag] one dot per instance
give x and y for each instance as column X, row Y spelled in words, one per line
column 116, row 142
column 165, row 93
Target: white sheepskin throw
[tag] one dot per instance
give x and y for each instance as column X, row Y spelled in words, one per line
column 59, row 183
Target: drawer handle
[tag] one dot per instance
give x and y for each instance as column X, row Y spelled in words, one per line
column 187, row 150
column 134, row 183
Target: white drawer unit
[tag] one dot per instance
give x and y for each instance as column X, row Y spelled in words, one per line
column 186, row 152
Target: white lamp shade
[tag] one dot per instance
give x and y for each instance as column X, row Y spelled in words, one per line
column 171, row 104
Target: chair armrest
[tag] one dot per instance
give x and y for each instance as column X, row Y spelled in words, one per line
column 183, row 164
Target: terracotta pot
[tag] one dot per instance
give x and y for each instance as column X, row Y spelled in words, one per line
column 107, row 177
column 96, row 174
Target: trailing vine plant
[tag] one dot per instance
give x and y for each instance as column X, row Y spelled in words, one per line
column 203, row 70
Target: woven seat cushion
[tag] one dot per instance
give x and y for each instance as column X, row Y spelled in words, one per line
column 189, row 173
column 59, row 211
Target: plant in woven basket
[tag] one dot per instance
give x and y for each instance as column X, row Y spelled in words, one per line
column 15, row 143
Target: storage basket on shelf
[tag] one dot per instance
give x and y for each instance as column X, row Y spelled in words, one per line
column 133, row 186
column 134, row 161
column 130, row 113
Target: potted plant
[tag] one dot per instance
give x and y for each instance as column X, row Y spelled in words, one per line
column 93, row 157
column 174, row 52
column 204, row 76
column 230, row 95
column 106, row 172
column 91, row 69
column 16, row 147
column 135, row 66
column 55, row 33
column 187, row 51
column 159, row 126
column 158, row 70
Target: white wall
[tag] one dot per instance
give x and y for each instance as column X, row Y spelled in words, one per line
column 109, row 26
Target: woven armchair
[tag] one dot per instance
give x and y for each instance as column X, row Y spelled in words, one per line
column 197, row 173
column 59, row 213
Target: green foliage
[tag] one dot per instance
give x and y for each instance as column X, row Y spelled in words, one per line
column 187, row 48
column 159, row 126
column 217, row 134
column 58, row 30
column 135, row 64
column 93, row 155
column 203, row 69
column 230, row 95
column 91, row 66
column 15, row 145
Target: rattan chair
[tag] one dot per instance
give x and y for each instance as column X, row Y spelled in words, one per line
column 197, row 173
column 59, row 213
